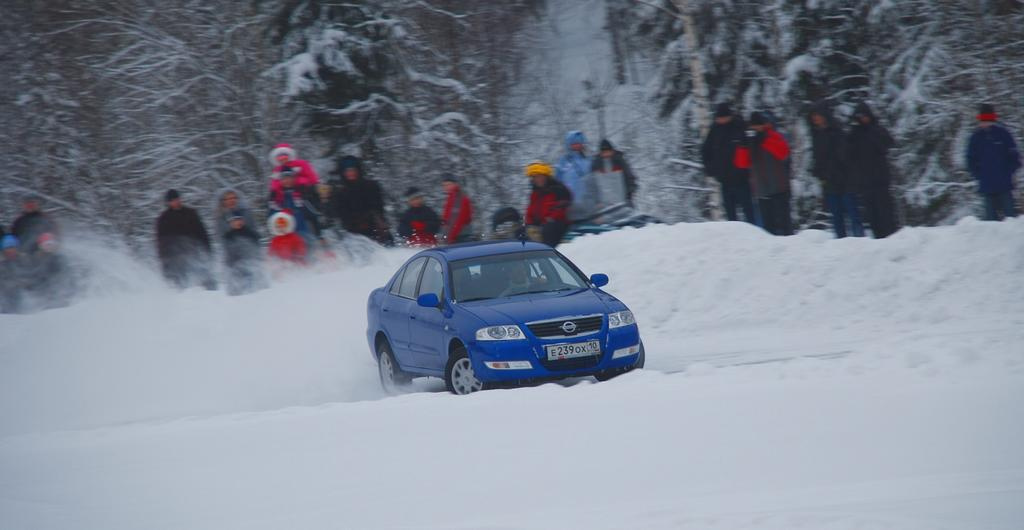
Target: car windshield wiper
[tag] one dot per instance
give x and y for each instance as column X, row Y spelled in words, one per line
column 547, row 291
column 476, row 299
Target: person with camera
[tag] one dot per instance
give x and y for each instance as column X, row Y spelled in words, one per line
column 770, row 174
column 726, row 158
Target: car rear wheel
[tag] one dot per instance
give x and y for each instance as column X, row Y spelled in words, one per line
column 459, row 376
column 392, row 379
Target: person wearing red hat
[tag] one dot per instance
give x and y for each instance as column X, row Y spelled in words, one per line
column 286, row 246
column 993, row 158
column 282, row 157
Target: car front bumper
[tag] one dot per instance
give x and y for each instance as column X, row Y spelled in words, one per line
column 505, row 361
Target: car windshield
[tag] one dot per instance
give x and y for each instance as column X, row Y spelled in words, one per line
column 505, row 275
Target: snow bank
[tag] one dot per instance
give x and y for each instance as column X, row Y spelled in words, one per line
column 713, row 294
column 141, row 351
column 824, row 384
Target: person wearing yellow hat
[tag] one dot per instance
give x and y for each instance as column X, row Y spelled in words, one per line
column 546, row 215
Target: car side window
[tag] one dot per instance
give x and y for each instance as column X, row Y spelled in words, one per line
column 397, row 285
column 433, row 279
column 411, row 278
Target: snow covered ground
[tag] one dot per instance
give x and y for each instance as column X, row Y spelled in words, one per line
column 792, row 383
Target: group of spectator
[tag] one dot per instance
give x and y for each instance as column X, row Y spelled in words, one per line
column 34, row 274
column 751, row 161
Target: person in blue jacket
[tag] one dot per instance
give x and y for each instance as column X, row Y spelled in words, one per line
column 993, row 158
column 573, row 170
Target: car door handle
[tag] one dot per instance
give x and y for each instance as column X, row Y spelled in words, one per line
column 412, row 317
column 384, row 309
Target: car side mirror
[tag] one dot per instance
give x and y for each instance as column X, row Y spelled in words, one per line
column 599, row 280
column 429, row 300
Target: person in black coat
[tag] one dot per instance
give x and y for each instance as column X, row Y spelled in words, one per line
column 31, row 224
column 867, row 147
column 183, row 245
column 419, row 224
column 243, row 257
column 729, row 168
column 359, row 203
column 831, row 168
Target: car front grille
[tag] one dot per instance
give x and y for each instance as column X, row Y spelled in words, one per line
column 551, row 329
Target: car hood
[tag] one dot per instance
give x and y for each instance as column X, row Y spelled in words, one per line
column 542, row 306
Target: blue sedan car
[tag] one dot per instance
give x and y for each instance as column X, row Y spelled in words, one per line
column 489, row 314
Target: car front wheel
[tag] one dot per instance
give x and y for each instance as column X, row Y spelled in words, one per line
column 615, row 372
column 392, row 378
column 459, row 376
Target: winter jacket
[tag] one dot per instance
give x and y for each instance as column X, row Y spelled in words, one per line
column 829, row 165
column 421, row 222
column 549, row 202
column 993, row 158
column 289, row 247
column 359, row 205
column 221, row 215
column 614, row 180
column 240, row 246
column 573, row 170
column 303, row 203
column 29, row 226
column 305, row 175
column 867, row 149
column 769, row 164
column 180, row 233
column 724, row 153
column 457, row 218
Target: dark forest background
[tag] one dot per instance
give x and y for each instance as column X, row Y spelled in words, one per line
column 108, row 103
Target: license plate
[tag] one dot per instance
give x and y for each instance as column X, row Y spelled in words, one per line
column 570, row 351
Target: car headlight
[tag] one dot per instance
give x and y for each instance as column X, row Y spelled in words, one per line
column 500, row 333
column 620, row 319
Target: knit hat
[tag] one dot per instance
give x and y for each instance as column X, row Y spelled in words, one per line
column 863, row 109
column 281, row 149
column 987, row 112
column 9, row 241
column 723, row 110
column 575, row 137
column 539, row 168
column 349, row 161
column 758, row 118
column 47, row 242
column 412, row 193
column 171, row 195
column 606, row 146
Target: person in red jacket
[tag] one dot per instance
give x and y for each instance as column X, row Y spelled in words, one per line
column 770, row 174
column 287, row 245
column 457, row 219
column 283, row 156
column 546, row 216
